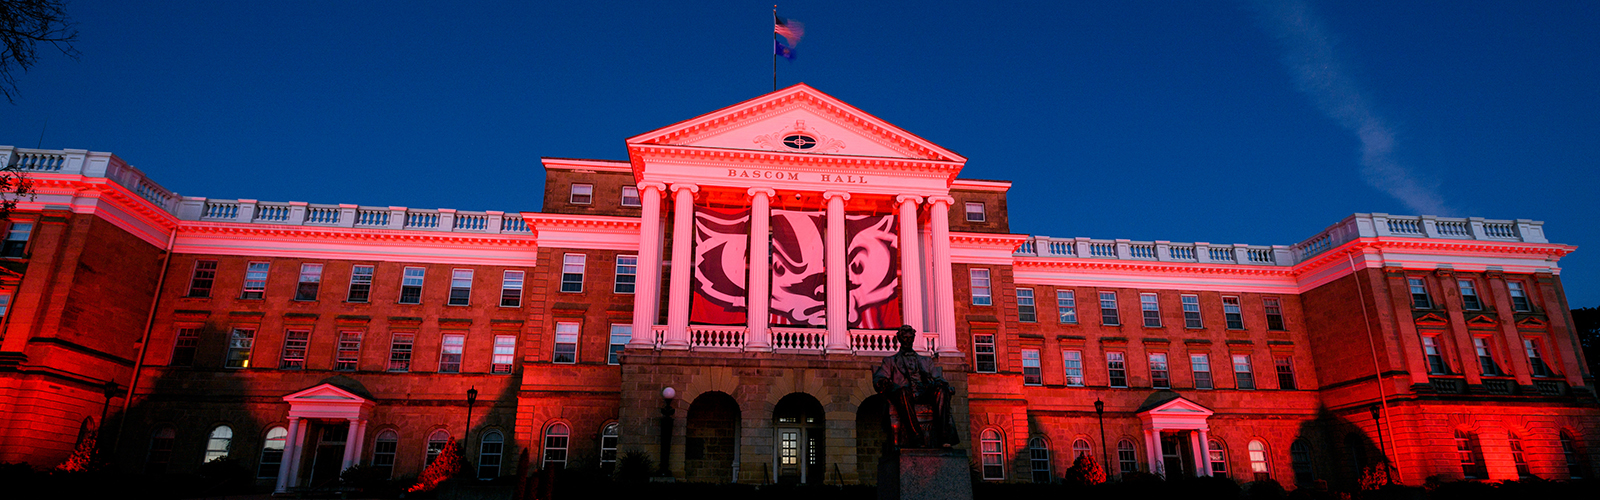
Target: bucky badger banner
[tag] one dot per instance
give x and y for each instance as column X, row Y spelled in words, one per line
column 721, row 257
column 799, row 274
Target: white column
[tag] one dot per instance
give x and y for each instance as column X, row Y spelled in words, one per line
column 944, row 294
column 647, row 284
column 682, row 261
column 293, row 459
column 910, row 272
column 1152, row 449
column 290, row 446
column 1197, row 449
column 757, row 288
column 1205, row 452
column 838, row 293
column 350, row 450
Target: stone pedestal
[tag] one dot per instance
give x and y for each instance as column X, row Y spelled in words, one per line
column 924, row 474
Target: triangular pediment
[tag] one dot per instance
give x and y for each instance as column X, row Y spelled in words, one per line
column 1431, row 319
column 324, row 393
column 1482, row 320
column 1531, row 322
column 1179, row 406
column 800, row 120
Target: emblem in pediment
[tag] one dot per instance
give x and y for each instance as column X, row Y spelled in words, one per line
column 798, row 139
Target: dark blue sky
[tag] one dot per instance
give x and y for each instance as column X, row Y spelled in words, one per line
column 1185, row 121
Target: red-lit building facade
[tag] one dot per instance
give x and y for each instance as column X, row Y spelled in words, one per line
column 299, row 339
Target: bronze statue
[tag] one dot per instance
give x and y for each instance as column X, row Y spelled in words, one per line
column 911, row 382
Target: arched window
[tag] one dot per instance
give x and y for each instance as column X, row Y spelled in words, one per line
column 1574, row 459
column 383, row 451
column 272, row 452
column 993, row 462
column 218, row 444
column 160, row 450
column 608, row 446
column 436, row 442
column 1039, row 459
column 1127, row 460
column 1258, row 457
column 490, row 449
column 1468, row 453
column 555, row 445
column 1218, row 455
column 1300, row 460
column 1518, row 457
column 1081, row 448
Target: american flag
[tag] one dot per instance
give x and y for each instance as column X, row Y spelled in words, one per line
column 791, row 29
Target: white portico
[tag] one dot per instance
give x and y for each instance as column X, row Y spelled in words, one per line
column 325, row 408
column 1175, row 437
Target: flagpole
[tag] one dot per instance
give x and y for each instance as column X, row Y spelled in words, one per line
column 774, row 51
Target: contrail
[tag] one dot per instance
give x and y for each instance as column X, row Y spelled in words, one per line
column 1311, row 59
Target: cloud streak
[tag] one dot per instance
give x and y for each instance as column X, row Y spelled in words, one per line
column 1314, row 64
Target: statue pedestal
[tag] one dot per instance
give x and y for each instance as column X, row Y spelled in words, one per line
column 924, row 474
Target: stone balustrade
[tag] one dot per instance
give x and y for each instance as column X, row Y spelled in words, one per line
column 88, row 164
column 1158, row 251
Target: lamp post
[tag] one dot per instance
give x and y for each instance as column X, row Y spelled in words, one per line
column 111, row 391
column 666, row 430
column 1105, row 452
column 472, row 397
column 1383, row 453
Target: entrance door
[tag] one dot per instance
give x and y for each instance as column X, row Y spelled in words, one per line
column 1176, row 455
column 789, row 444
column 328, row 462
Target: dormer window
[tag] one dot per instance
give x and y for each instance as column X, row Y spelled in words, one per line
column 799, row 141
column 630, row 196
column 582, row 194
column 975, row 212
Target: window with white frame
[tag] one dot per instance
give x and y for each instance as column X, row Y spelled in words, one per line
column 1117, row 367
column 460, row 287
column 1432, row 352
column 1243, row 376
column 1467, row 452
column 160, row 450
column 400, row 351
column 411, row 285
column 383, row 452
column 630, row 196
column 505, row 350
column 1031, row 374
column 295, row 343
column 1419, row 294
column 980, row 287
column 1026, row 312
column 5, row 304
column 184, row 348
column 1150, row 306
column 1073, row 361
column 16, row 242
column 490, row 451
column 1127, row 459
column 1300, row 462
column 993, row 454
column 1039, row 459
column 240, row 342
column 450, row 349
column 255, row 280
column 1519, row 297
column 1517, row 456
column 1258, row 457
column 218, row 444
column 511, row 289
column 272, row 453
column 975, row 212
column 205, row 274
column 1574, row 460
column 1218, row 457
column 555, row 445
column 627, row 273
column 1108, row 309
column 1080, row 448
column 1200, row 365
column 310, row 282
column 582, row 194
column 566, row 347
column 621, row 334
column 608, row 446
column 1536, row 357
column 436, row 442
column 1231, row 314
column 572, row 272
column 1285, row 367
column 1274, row 309
column 1191, row 311
column 1485, row 356
column 348, row 354
column 1159, row 378
column 1067, row 307
column 360, row 284
column 983, row 352
column 1469, row 295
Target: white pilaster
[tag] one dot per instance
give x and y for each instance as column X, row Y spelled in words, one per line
column 682, row 252
column 646, row 289
column 910, row 276
column 1152, row 450
column 757, row 290
column 290, row 446
column 838, row 293
column 943, row 285
column 350, row 438
column 1205, row 452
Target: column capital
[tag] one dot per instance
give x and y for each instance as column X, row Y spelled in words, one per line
column 293, row 418
column 828, row 195
column 941, row 199
column 908, row 197
column 661, row 187
column 680, row 186
column 762, row 190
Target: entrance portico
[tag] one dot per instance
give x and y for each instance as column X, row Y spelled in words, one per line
column 1175, row 437
column 323, row 404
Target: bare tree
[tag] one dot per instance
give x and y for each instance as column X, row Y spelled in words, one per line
column 24, row 24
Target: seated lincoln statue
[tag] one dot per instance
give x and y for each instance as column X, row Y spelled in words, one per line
column 911, row 383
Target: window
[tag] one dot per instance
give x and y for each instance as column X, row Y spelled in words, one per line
column 1158, row 371
column 5, row 303
column 1536, row 358
column 1485, row 356
column 411, row 285
column 1434, row 355
column 1517, row 457
column 1469, row 295
column 1080, row 448
column 450, row 352
column 310, row 282
column 1191, row 311
column 436, row 442
column 1067, row 307
column 1519, row 297
column 975, row 212
column 383, row 450
column 1258, row 457
column 349, row 351
column 1117, row 366
column 295, row 343
column 1031, row 374
column 630, row 196
column 572, row 272
column 360, row 284
column 239, row 344
column 205, row 274
column 460, row 287
column 505, row 350
column 16, row 243
column 1300, row 461
column 511, row 289
column 1200, row 364
column 621, row 334
column 1569, row 451
column 1285, row 366
column 980, row 287
column 1039, row 460
column 1127, row 460
column 1467, row 451
column 566, row 349
column 993, row 459
column 400, row 352
column 490, row 449
column 272, row 453
column 1274, row 313
column 1419, row 294
column 1218, row 457
column 183, row 349
column 1073, row 361
column 582, row 194
column 555, row 445
column 1151, row 308
column 160, row 450
column 627, row 273
column 1108, row 309
column 1242, row 375
column 255, row 280
column 1231, row 313
column 218, row 444
column 983, row 352
column 608, row 447
column 1026, row 312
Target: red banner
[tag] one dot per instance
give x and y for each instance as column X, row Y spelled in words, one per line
column 721, row 259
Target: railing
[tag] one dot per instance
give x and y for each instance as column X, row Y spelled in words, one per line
column 422, row 220
column 798, row 339
column 39, row 160
column 220, row 210
column 1550, row 387
column 1447, row 385
column 660, row 332
column 716, row 337
column 322, row 215
column 873, row 342
column 513, row 225
column 1499, row 387
column 471, row 222
column 372, row 217
column 272, row 213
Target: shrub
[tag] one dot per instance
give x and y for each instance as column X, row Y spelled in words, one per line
column 1085, row 471
column 446, row 466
